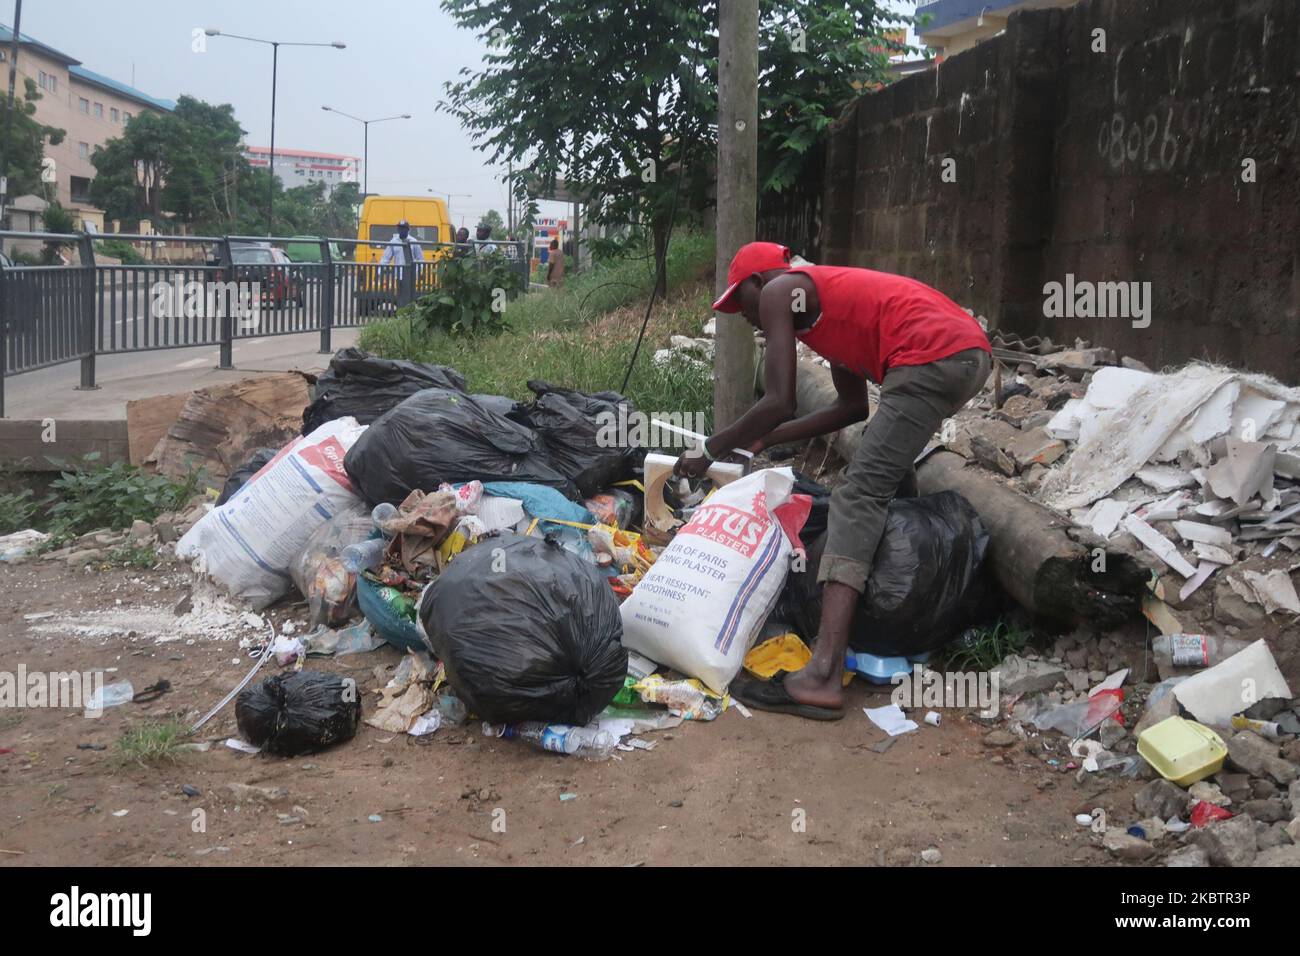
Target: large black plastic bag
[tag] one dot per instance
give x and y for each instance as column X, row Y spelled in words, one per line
column 239, row 477
column 299, row 713
column 577, row 429
column 365, row 386
column 926, row 583
column 527, row 631
column 440, row 435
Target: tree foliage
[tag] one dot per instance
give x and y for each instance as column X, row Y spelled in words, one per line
column 24, row 149
column 187, row 166
column 620, row 98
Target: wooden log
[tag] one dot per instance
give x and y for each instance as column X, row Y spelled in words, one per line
column 1063, row 582
column 814, row 389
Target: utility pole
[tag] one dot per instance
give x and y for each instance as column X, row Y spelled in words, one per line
column 737, row 197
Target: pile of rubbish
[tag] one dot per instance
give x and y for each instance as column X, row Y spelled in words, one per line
column 1195, row 471
column 558, row 587
column 1223, row 762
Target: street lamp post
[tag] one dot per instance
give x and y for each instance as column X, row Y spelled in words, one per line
column 365, row 159
column 275, row 59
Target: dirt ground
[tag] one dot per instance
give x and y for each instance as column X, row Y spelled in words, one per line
column 726, row 792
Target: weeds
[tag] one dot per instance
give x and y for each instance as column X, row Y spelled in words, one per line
column 582, row 335
column 17, row 510
column 983, row 648
column 111, row 496
column 150, row 744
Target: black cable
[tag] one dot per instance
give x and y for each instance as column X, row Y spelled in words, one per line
column 661, row 273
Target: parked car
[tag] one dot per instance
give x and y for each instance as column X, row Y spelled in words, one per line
column 279, row 282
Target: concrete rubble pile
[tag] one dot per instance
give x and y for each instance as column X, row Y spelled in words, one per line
column 1194, row 471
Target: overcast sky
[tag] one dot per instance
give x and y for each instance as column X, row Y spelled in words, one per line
column 399, row 53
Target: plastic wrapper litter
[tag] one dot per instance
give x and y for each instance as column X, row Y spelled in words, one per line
column 439, row 435
column 299, row 713
column 926, row 583
column 365, row 386
column 527, row 631
column 318, row 572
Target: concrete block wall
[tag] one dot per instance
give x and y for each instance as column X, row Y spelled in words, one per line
column 1121, row 164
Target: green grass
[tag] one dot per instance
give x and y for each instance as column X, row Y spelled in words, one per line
column 987, row 647
column 150, row 744
column 582, row 335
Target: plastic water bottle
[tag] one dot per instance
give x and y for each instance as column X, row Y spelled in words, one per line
column 558, row 738
column 364, row 555
column 383, row 512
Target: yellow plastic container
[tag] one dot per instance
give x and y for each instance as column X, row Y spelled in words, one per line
column 785, row 652
column 1182, row 750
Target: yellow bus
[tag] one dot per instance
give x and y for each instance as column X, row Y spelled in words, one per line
column 430, row 226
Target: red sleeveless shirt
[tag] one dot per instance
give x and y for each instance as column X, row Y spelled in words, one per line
column 871, row 321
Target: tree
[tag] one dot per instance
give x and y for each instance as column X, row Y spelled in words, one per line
column 24, row 149
column 493, row 219
column 187, row 162
column 620, row 99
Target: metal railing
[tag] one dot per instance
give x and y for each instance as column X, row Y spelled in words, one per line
column 204, row 291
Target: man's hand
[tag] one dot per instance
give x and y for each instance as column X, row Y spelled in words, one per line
column 691, row 464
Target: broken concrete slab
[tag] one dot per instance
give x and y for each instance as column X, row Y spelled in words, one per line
column 1159, row 545
column 1160, row 798
column 1244, row 472
column 1215, row 695
column 1210, row 552
column 1196, row 531
column 1273, row 591
column 1035, row 447
column 1228, row 842
column 1165, row 478
column 1124, row 846
column 1252, row 754
column 1019, row 675
column 991, row 456
column 1188, row 856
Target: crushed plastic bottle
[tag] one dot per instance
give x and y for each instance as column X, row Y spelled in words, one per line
column 589, row 742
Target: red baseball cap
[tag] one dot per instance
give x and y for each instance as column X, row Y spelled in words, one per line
column 751, row 258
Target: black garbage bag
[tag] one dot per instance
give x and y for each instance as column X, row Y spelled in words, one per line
column 365, row 386
column 498, row 404
column 926, row 582
column 527, row 631
column 819, row 513
column 299, row 713
column 441, row 435
column 580, row 433
column 239, row 477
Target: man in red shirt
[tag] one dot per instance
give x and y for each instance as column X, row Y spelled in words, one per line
column 928, row 355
